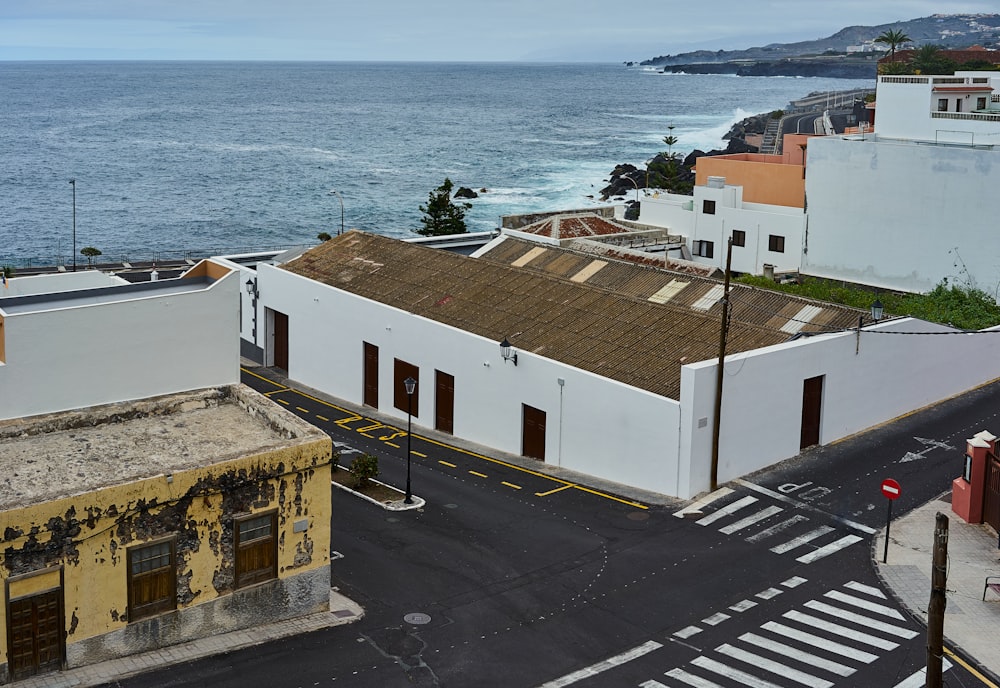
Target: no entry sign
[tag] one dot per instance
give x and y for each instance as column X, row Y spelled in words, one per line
column 890, row 488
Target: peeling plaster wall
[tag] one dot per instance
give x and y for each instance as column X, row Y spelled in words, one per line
column 88, row 535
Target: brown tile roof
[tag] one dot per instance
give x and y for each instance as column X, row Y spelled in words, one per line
column 574, row 226
column 589, row 325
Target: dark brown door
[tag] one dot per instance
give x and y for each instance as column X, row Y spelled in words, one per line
column 400, row 399
column 371, row 375
column 444, row 402
column 281, row 341
column 991, row 497
column 812, row 405
column 36, row 634
column 533, row 442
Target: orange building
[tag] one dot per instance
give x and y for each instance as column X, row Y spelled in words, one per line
column 771, row 179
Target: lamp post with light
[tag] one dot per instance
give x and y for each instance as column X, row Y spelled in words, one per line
column 73, row 184
column 334, row 192
column 410, row 385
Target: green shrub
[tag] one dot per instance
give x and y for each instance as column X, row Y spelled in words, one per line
column 363, row 469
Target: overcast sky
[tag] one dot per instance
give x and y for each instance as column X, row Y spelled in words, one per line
column 427, row 30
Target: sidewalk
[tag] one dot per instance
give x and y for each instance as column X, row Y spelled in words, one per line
column 970, row 624
column 342, row 611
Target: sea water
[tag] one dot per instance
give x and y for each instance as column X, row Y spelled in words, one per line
column 208, row 157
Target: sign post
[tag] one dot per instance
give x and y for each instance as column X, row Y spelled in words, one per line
column 890, row 488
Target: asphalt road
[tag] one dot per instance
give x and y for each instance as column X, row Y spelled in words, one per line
column 521, row 579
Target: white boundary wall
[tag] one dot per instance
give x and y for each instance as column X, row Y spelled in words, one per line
column 137, row 347
column 892, row 214
column 891, row 375
column 593, row 425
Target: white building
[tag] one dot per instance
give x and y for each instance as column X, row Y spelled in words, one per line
column 616, row 364
column 912, row 204
column 81, row 339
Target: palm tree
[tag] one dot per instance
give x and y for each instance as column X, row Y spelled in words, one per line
column 893, row 38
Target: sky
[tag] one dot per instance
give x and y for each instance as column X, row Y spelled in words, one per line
column 428, row 30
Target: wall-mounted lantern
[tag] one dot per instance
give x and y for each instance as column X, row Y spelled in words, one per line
column 507, row 353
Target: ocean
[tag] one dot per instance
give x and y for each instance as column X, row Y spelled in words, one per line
column 172, row 158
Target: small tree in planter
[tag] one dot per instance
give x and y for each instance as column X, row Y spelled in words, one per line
column 364, row 468
column 90, row 252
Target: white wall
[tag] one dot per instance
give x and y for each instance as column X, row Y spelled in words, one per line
column 892, row 214
column 593, row 425
column 762, row 390
column 58, row 282
column 904, row 111
column 140, row 346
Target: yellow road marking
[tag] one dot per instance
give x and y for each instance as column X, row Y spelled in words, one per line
column 971, row 670
column 416, row 453
column 261, row 377
column 504, row 482
column 302, row 409
column 481, row 475
column 564, row 483
column 393, row 445
column 558, row 489
column 449, row 465
column 282, row 401
column 324, row 418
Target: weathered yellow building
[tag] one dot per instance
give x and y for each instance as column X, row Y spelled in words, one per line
column 136, row 525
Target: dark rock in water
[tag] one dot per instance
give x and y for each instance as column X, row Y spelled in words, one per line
column 632, row 210
column 466, row 192
column 739, row 146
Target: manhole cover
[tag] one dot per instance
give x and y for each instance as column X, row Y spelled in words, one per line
column 392, row 519
column 451, row 506
column 417, row 618
column 639, row 516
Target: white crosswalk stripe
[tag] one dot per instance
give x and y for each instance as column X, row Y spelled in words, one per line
column 726, row 510
column 865, row 604
column 774, row 667
column 750, row 520
column 798, row 655
column 776, row 528
column 827, row 550
column 741, row 677
column 866, row 589
column 795, row 543
column 819, row 642
column 691, row 679
column 824, row 625
column 873, row 624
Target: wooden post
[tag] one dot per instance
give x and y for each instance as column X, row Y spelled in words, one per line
column 935, row 610
column 723, row 332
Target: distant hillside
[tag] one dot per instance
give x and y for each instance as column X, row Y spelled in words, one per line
column 946, row 30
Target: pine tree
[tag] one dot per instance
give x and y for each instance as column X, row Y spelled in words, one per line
column 441, row 215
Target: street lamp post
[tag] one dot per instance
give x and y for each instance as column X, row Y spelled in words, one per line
column 73, row 184
column 334, row 192
column 410, row 385
column 635, row 184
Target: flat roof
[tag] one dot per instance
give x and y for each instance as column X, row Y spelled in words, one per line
column 58, row 455
column 35, row 303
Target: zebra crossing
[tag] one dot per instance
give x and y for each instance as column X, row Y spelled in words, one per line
column 818, row 643
column 748, row 517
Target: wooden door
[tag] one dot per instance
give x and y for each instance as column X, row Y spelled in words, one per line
column 35, row 643
column 812, row 406
column 281, row 341
column 370, row 392
column 533, row 433
column 444, row 402
column 991, row 495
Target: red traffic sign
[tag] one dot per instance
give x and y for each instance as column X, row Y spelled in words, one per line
column 890, row 488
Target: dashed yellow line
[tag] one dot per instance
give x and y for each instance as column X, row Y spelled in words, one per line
column 416, row 453
column 558, row 489
column 392, row 444
column 302, row 409
column 282, row 401
column 445, row 463
column 504, row 482
column 477, row 473
column 323, row 418
column 565, row 484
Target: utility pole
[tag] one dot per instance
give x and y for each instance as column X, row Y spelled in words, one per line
column 723, row 333
column 935, row 610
